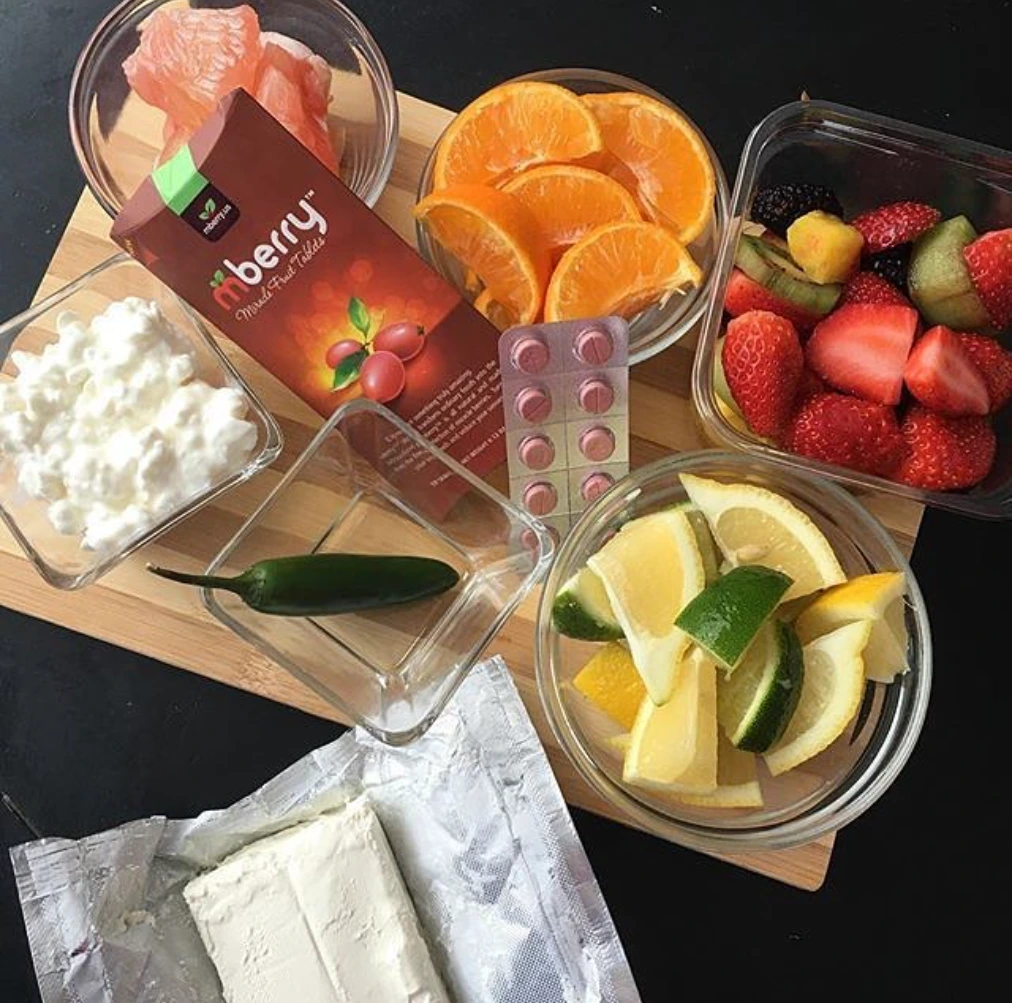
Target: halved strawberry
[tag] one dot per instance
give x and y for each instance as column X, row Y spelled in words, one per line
column 945, row 454
column 744, row 294
column 762, row 360
column 942, row 376
column 989, row 259
column 862, row 348
column 867, row 287
column 853, row 433
column 995, row 365
column 894, row 224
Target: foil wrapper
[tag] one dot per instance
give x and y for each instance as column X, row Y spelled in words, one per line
column 504, row 891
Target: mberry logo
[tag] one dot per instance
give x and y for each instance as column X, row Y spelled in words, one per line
column 231, row 289
column 211, row 214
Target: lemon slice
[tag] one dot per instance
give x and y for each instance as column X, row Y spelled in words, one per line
column 674, row 747
column 650, row 569
column 737, row 783
column 830, row 696
column 612, row 684
column 755, row 526
column 878, row 598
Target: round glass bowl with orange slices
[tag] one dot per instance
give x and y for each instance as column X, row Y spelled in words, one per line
column 793, row 733
column 576, row 193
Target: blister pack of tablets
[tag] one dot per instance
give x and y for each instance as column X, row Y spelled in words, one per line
column 566, row 402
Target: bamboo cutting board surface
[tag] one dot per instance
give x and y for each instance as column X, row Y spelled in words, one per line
column 132, row 609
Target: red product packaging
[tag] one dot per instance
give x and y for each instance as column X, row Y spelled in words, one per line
column 266, row 243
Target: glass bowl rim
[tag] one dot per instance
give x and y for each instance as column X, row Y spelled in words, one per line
column 272, row 447
column 78, row 99
column 664, row 336
column 703, row 392
column 837, row 808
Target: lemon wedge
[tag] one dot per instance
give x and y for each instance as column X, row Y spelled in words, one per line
column 612, row 684
column 753, row 525
column 737, row 782
column 878, row 598
column 673, row 748
column 830, row 696
column 650, row 569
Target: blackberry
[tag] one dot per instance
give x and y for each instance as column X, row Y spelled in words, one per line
column 779, row 206
column 891, row 265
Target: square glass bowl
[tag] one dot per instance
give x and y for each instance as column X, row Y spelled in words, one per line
column 58, row 558
column 369, row 484
column 867, row 160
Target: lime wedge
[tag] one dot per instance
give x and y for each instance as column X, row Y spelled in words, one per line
column 753, row 525
column 725, row 617
column 830, row 696
column 707, row 546
column 756, row 703
column 878, row 598
column 612, row 684
column 582, row 610
column 650, row 569
column 674, row 747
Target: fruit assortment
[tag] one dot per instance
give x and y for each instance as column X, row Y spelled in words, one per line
column 874, row 343
column 729, row 632
column 562, row 206
column 189, row 59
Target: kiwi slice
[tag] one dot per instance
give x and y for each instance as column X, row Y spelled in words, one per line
column 768, row 265
column 939, row 281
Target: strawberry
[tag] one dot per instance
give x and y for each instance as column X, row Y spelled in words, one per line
column 862, row 348
column 894, row 224
column 867, row 287
column 762, row 360
column 995, row 365
column 852, row 433
column 989, row 259
column 944, row 454
column 744, row 294
column 808, row 386
column 940, row 373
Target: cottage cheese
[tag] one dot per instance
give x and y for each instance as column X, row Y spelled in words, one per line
column 109, row 426
column 315, row 914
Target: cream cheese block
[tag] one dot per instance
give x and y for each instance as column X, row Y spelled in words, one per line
column 316, row 914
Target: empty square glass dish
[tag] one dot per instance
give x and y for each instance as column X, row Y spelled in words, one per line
column 369, row 484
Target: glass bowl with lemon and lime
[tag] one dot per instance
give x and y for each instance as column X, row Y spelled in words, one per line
column 735, row 655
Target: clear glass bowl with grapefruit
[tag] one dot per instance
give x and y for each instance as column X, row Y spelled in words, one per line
column 576, row 193
column 153, row 70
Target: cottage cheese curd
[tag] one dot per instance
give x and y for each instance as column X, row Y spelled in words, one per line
column 315, row 914
column 109, row 426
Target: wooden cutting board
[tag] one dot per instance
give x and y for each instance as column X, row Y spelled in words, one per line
column 132, row 609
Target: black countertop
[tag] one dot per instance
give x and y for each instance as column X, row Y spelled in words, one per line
column 91, row 735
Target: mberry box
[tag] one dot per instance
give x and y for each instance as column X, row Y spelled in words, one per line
column 264, row 241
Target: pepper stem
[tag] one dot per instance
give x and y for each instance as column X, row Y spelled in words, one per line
column 204, row 581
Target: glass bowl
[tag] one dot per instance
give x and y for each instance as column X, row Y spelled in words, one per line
column 818, row 797
column 867, row 160
column 117, row 137
column 370, row 484
column 654, row 329
column 60, row 559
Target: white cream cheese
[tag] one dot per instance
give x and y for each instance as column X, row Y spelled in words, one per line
column 109, row 426
column 315, row 914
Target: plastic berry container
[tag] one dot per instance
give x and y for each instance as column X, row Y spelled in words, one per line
column 868, row 160
column 116, row 136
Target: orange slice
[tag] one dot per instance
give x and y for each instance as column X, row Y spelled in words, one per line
column 621, row 268
column 496, row 236
column 568, row 201
column 660, row 157
column 498, row 315
column 513, row 127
